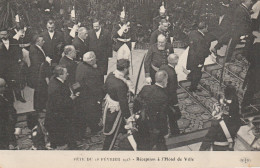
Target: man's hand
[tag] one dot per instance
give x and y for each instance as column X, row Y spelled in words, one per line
column 74, row 96
column 200, row 65
column 48, row 59
column 148, row 80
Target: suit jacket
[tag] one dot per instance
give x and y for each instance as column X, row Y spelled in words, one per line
column 9, row 66
column 156, row 100
column 91, row 82
column 80, row 46
column 199, row 50
column 242, row 23
column 71, row 66
column 102, row 48
column 172, row 84
column 53, row 47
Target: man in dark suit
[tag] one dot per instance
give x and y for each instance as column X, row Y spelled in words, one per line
column 174, row 113
column 162, row 29
column 7, row 119
column 59, row 109
column 117, row 108
column 68, row 61
column 10, row 59
column 156, row 57
column 40, row 73
column 91, row 94
column 199, row 50
column 242, row 27
column 154, row 125
column 80, row 43
column 100, row 42
column 54, row 42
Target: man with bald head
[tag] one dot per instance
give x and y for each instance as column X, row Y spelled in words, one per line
column 80, row 42
column 156, row 57
column 68, row 61
column 91, row 94
column 7, row 119
column 172, row 86
column 154, row 99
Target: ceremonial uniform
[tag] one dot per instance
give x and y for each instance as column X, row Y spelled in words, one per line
column 101, row 44
column 120, row 36
column 173, row 113
column 199, row 50
column 7, row 123
column 155, row 59
column 157, row 20
column 154, row 125
column 216, row 136
column 116, row 107
column 155, row 35
column 90, row 98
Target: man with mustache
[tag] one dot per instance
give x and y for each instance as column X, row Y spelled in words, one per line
column 156, row 57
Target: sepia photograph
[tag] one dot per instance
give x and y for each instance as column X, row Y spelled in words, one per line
column 150, row 81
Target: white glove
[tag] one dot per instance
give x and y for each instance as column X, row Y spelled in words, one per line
column 148, row 80
column 18, row 35
column 133, row 45
column 200, row 65
column 48, row 59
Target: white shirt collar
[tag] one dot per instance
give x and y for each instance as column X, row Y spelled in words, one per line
column 201, row 33
column 51, row 34
column 6, row 43
column 81, row 39
column 62, row 81
column 40, row 48
column 159, row 85
column 171, row 65
column 69, row 58
column 98, row 33
column 244, row 5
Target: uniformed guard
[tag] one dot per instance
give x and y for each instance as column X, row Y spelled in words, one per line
column 116, row 108
column 122, row 32
column 153, row 102
column 156, row 57
column 224, row 129
column 163, row 15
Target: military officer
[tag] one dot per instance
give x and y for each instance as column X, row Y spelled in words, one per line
column 122, row 32
column 156, row 56
column 199, row 50
column 153, row 127
column 174, row 113
column 162, row 29
column 224, row 129
column 116, row 108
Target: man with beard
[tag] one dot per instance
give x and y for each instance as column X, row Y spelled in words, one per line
column 116, row 107
column 198, row 52
column 59, row 109
column 174, row 113
column 162, row 29
column 153, row 127
column 156, row 57
column 80, row 43
column 71, row 28
column 54, row 42
column 91, row 94
column 100, row 43
column 224, row 129
column 10, row 59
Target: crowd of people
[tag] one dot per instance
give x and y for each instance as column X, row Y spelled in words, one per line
column 67, row 72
